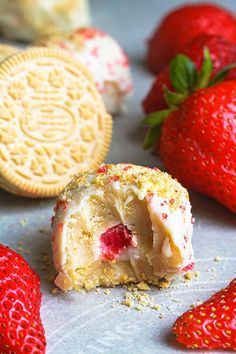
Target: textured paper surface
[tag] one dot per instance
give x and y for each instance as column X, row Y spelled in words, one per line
column 90, row 323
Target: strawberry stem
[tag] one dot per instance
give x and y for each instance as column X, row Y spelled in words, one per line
column 186, row 80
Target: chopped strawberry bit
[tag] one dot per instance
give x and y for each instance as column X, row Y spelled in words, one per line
column 60, row 226
column 126, row 168
column 182, row 209
column 115, row 240
column 149, row 197
column 114, row 178
column 61, row 203
column 171, row 201
column 188, row 267
column 89, row 33
column 102, row 169
column 192, row 220
column 94, row 52
column 164, row 216
column 185, row 238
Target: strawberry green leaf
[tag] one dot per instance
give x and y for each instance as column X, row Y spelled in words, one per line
column 183, row 74
column 173, row 99
column 157, row 118
column 221, row 74
column 206, row 70
column 151, row 137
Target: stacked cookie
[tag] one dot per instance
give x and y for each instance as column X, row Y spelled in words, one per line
column 53, row 122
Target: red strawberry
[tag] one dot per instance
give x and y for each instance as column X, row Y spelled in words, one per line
column 115, row 240
column 211, row 325
column 197, row 139
column 222, row 53
column 21, row 330
column 183, row 24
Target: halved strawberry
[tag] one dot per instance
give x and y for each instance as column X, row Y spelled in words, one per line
column 211, row 325
column 21, row 329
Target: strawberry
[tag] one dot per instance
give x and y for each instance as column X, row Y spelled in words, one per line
column 211, row 325
column 183, row 24
column 115, row 240
column 21, row 330
column 197, row 138
column 222, row 53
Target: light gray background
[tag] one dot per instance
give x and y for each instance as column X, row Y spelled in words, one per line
column 87, row 323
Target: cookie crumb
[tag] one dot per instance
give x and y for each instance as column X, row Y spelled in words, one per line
column 54, row 291
column 127, row 302
column 23, row 222
column 107, row 292
column 217, row 259
column 142, row 286
column 156, row 307
column 189, row 275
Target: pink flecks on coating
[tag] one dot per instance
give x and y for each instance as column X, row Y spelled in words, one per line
column 60, row 226
column 193, row 220
column 61, row 204
column 149, row 197
column 126, row 168
column 114, row 178
column 164, row 216
column 115, row 240
column 102, row 169
column 188, row 267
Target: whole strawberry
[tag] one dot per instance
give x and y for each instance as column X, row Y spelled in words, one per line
column 183, row 24
column 197, row 138
column 21, row 330
column 211, row 325
column 222, row 53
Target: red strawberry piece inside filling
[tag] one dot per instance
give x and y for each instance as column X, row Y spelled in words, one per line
column 114, row 241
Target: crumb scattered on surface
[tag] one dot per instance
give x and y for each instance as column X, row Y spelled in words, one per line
column 107, row 292
column 23, row 222
column 161, row 316
column 189, row 275
column 54, row 291
column 217, row 259
column 156, row 307
column 142, row 286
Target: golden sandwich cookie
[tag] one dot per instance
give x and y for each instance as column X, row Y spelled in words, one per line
column 53, row 122
column 120, row 224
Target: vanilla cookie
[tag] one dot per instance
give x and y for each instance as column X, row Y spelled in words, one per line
column 120, row 224
column 53, row 122
column 28, row 20
column 105, row 59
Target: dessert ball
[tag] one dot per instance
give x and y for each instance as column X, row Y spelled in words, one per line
column 28, row 20
column 120, row 224
column 105, row 59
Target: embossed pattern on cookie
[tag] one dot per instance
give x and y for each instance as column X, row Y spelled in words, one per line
column 52, row 122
